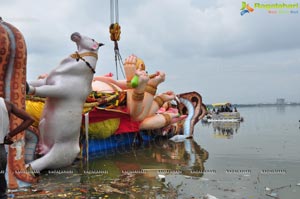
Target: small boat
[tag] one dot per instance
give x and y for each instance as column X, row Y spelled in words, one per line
column 223, row 112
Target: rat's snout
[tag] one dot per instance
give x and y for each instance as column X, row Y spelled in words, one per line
column 97, row 45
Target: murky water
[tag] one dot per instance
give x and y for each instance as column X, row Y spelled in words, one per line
column 258, row 158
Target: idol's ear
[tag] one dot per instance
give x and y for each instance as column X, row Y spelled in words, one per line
column 76, row 37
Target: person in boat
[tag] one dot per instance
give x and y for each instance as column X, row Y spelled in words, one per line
column 222, row 109
column 6, row 136
column 227, row 109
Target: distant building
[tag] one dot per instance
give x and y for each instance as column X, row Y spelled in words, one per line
column 280, row 101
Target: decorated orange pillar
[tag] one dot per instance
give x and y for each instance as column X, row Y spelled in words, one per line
column 13, row 57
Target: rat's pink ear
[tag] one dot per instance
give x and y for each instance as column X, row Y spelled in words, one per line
column 75, row 37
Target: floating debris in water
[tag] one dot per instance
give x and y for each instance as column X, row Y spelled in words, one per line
column 273, row 194
column 125, row 180
column 298, row 184
column 268, row 189
column 204, row 179
column 162, row 178
column 108, row 189
column 208, row 196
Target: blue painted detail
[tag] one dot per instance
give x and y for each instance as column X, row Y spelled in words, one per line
column 31, row 141
column 120, row 143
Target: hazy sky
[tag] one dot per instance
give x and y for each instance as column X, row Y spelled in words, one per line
column 203, row 46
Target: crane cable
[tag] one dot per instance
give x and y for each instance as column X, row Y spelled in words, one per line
column 115, row 32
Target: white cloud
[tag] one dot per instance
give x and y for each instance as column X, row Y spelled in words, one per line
column 202, row 46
